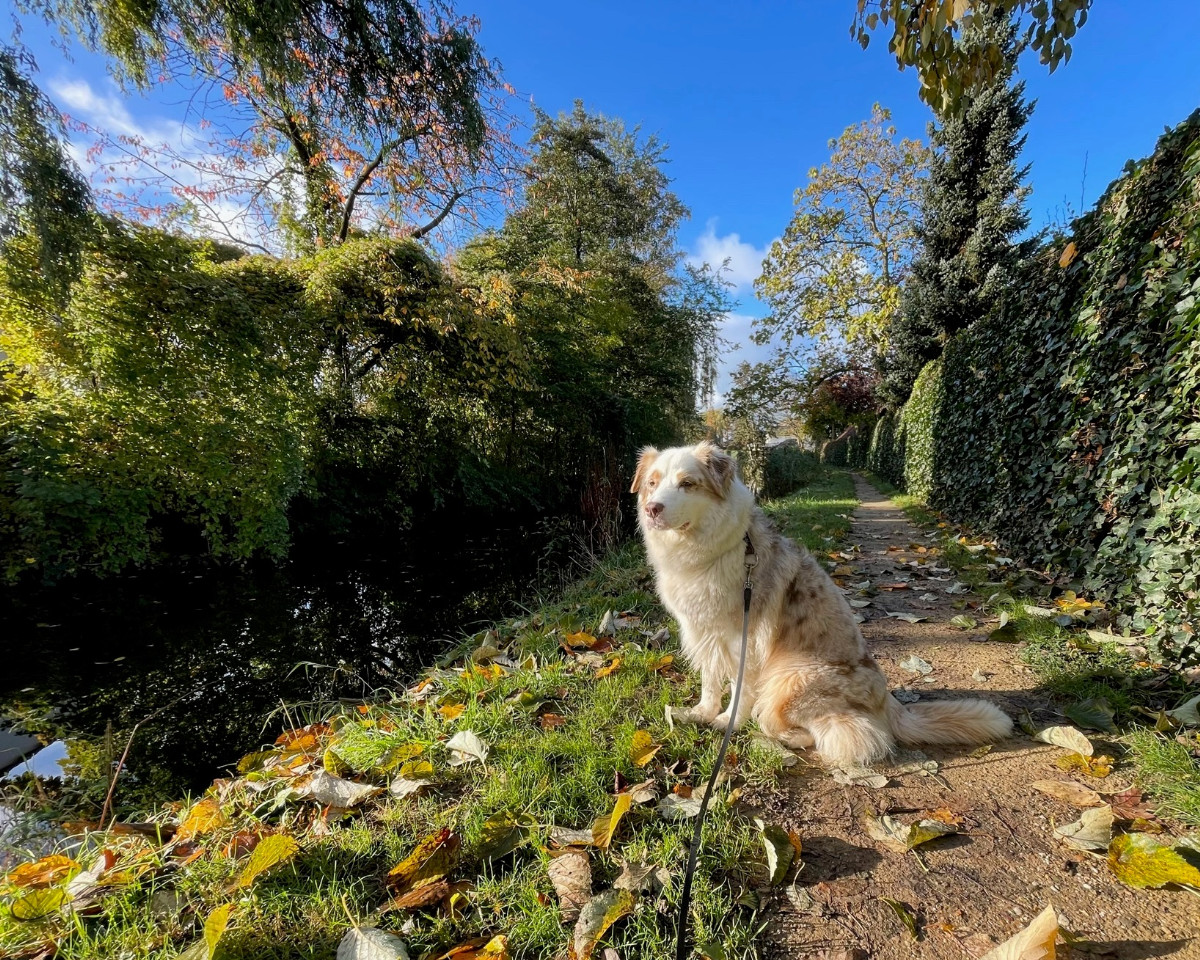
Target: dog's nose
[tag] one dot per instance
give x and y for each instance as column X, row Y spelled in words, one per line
column 653, row 509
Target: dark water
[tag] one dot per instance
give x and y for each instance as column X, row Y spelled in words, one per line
column 209, row 653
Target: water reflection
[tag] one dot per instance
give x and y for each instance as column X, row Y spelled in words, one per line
column 206, row 655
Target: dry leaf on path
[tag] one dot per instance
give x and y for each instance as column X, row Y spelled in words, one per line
column 859, row 777
column 779, row 849
column 907, row 617
column 1066, row 737
column 1070, row 791
column 1035, row 942
column 902, row 837
column 1091, row 832
column 1141, row 861
column 915, row 664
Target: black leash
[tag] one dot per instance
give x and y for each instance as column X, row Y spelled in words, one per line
column 685, row 901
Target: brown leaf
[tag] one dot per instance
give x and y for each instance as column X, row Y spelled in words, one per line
column 571, row 874
column 430, row 861
column 421, row 896
column 551, row 721
column 1069, row 791
column 43, row 873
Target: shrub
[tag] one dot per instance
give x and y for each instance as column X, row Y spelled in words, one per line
column 788, row 469
column 920, row 424
column 886, row 454
column 1069, row 424
column 859, row 445
column 836, row 453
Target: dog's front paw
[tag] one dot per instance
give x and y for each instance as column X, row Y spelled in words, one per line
column 721, row 721
column 695, row 715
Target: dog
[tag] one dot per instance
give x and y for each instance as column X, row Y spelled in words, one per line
column 810, row 681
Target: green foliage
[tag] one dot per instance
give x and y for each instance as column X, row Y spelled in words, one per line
column 888, row 446
column 170, row 387
column 923, row 36
column 836, row 452
column 42, row 192
column 1069, row 424
column 858, row 446
column 972, row 210
column 788, row 468
column 921, row 422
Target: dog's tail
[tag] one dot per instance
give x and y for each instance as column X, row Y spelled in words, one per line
column 947, row 721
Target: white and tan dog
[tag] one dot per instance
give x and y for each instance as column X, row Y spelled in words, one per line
column 810, row 681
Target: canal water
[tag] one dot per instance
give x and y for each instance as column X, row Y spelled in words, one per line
column 207, row 659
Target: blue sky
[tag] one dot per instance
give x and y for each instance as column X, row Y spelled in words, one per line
column 748, row 96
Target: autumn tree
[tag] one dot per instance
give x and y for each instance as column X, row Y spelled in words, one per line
column 973, row 211
column 833, row 280
column 929, row 35
column 324, row 116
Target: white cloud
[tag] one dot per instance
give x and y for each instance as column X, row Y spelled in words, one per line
column 744, row 259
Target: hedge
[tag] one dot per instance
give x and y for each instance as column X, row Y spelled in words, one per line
column 788, row 468
column 886, row 455
column 1069, row 424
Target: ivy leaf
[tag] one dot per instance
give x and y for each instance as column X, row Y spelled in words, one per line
column 1187, row 713
column 1067, row 737
column 600, row 913
column 1138, row 860
column 1035, row 942
column 371, row 943
column 1093, row 713
column 270, row 852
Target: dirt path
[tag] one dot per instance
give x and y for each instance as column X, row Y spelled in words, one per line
column 970, row 891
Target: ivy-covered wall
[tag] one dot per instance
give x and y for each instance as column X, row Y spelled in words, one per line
column 1069, row 425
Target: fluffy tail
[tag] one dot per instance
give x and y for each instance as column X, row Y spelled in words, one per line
column 947, row 721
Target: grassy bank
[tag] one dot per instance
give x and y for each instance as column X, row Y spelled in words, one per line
column 1075, row 668
column 437, row 812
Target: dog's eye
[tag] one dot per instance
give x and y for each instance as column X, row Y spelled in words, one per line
column 652, row 484
column 686, row 484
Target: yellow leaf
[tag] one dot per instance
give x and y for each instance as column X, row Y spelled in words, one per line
column 609, row 669
column 417, row 770
column 215, row 925
column 432, row 859
column 39, row 904
column 1140, row 861
column 581, row 639
column 598, row 914
column 45, row 872
column 604, row 827
column 452, row 711
column 643, row 748
column 1068, row 255
column 662, row 663
column 204, row 817
column 1098, row 767
column 1035, row 942
column 270, row 852
column 494, row 949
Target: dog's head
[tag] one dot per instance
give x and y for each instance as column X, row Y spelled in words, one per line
column 678, row 488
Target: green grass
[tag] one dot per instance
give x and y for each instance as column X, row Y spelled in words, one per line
column 561, row 776
column 1072, row 667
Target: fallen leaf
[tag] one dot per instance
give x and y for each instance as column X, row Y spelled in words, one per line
column 902, row 837
column 1093, row 713
column 1035, row 942
column 465, row 747
column 915, row 664
column 780, row 851
column 859, row 604
column 1067, row 737
column 964, row 621
column 645, row 792
column 643, row 748
column 270, row 852
column 957, row 587
column 1141, row 861
column 675, row 807
column 333, row 791
column 1092, row 831
column 610, row 669
column 551, row 721
column 1098, row 767
column 371, row 943
column 571, row 874
column 423, row 896
column 1006, row 634
column 904, row 914
column 980, row 751
column 1187, row 713
column 597, row 915
column 581, row 639
column 494, row 949
column 452, row 711
column 503, row 833
column 38, row 904
column 660, row 665
column 1130, row 804
column 946, row 815
column 605, row 827
column 980, row 676
column 569, row 837
column 204, row 817
column 43, row 873
column 642, row 878
column 413, row 777
column 907, row 617
column 859, row 777
column 1070, row 791
column 430, row 861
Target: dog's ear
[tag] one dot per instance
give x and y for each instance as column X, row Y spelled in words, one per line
column 720, row 466
column 645, row 462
